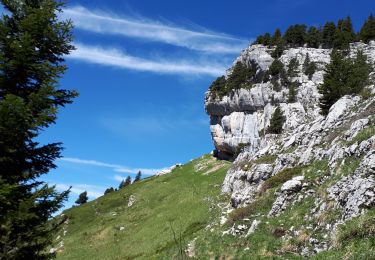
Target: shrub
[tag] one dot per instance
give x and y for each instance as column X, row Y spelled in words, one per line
column 309, row 67
column 280, row 178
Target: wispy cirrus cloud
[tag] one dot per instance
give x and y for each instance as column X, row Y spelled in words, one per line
column 93, row 191
column 116, row 167
column 116, row 58
column 150, row 30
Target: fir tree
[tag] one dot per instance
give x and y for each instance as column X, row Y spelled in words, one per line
column 218, row 87
column 313, row 37
column 276, row 37
column 292, row 94
column 33, row 43
column 295, row 35
column 138, row 177
column 128, row 181
column 367, row 32
column 309, row 67
column 293, row 68
column 82, row 199
column 241, row 75
column 280, row 47
column 328, row 35
column 276, row 122
column 109, row 190
column 359, row 73
column 344, row 34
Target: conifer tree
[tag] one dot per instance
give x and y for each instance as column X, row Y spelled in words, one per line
column 276, row 37
column 295, row 35
column 344, row 75
column 82, row 198
column 276, row 122
column 292, row 95
column 33, row 43
column 367, row 32
column 241, row 75
column 309, row 67
column 138, row 177
column 128, row 181
column 292, row 67
column 109, row 190
column 279, row 49
column 344, row 34
column 328, row 35
column 313, row 37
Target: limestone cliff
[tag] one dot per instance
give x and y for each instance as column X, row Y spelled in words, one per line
column 344, row 138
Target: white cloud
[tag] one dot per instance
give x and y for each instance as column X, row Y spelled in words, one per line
column 115, row 167
column 93, row 191
column 106, row 23
column 116, row 58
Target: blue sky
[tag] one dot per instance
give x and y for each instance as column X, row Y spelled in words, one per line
column 142, row 68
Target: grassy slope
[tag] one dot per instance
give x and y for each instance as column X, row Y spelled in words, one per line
column 172, row 210
column 167, row 212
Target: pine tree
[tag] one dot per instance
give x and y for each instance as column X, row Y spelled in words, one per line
column 128, row 181
column 121, row 185
column 276, row 122
column 293, row 68
column 82, row 199
column 276, row 37
column 240, row 77
column 295, row 35
column 359, row 73
column 218, row 87
column 292, row 94
column 343, row 76
column 335, row 81
column 138, row 177
column 344, row 34
column 328, row 35
column 280, row 47
column 33, row 43
column 109, row 190
column 313, row 37
column 309, row 67
column 367, row 32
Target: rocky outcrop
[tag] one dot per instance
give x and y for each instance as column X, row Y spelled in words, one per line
column 240, row 119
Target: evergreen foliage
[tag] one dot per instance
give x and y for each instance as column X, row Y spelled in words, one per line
column 280, row 47
column 218, row 86
column 309, row 67
column 328, row 35
column 138, row 176
column 293, row 68
column 241, row 76
column 109, row 190
column 125, row 183
column 82, row 198
column 344, row 34
column 292, row 94
column 276, row 122
column 344, row 75
column 313, row 37
column 33, row 42
column 295, row 35
column 276, row 37
column 367, row 32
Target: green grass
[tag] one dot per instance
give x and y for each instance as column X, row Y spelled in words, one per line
column 172, row 210
column 167, row 213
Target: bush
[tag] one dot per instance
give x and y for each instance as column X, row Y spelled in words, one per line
column 280, row 178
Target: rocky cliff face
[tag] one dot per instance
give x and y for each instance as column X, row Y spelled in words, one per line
column 241, row 117
column 344, row 139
